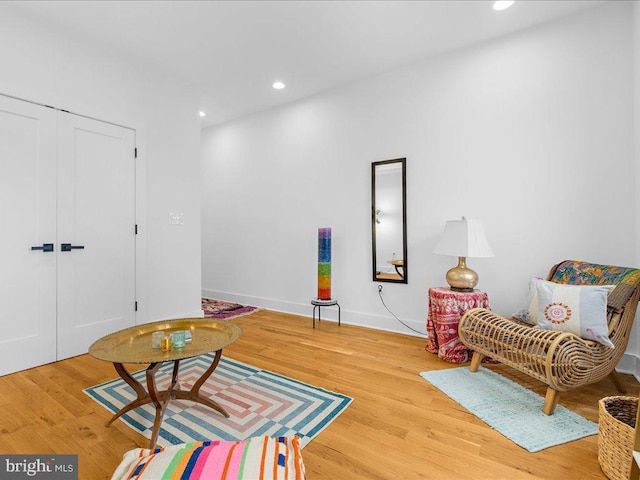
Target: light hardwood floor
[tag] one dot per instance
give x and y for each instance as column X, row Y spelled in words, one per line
column 398, row 426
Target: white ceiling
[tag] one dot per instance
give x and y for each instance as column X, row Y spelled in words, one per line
column 232, row 51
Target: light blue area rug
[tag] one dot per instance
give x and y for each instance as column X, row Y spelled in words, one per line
column 511, row 409
column 259, row 402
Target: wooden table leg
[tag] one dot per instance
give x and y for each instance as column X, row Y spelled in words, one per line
column 174, row 377
column 398, row 271
column 194, row 394
column 159, row 400
column 142, row 395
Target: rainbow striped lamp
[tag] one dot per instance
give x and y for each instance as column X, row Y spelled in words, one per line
column 324, row 264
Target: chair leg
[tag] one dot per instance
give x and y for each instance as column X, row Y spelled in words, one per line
column 550, row 401
column 475, row 361
column 616, row 381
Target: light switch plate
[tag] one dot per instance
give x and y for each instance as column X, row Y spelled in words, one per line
column 176, row 218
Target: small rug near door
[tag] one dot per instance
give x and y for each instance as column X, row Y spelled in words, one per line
column 259, row 402
column 511, row 409
column 225, row 310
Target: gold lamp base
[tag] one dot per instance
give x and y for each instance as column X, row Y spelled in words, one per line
column 460, row 278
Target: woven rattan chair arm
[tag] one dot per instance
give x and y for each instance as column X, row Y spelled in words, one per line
column 482, row 317
column 566, row 351
column 521, row 332
column 478, row 314
column 550, row 356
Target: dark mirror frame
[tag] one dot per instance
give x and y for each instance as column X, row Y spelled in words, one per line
column 403, row 162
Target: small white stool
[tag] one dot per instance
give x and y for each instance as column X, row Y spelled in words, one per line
column 317, row 303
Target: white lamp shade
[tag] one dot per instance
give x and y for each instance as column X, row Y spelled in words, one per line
column 464, row 238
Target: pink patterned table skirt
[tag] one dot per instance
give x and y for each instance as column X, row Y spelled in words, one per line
column 446, row 308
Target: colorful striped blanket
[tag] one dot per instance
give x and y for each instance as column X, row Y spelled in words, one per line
column 257, row 458
column 584, row 273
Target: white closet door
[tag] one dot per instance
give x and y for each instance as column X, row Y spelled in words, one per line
column 96, row 210
column 28, row 213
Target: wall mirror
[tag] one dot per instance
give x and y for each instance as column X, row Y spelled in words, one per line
column 389, row 220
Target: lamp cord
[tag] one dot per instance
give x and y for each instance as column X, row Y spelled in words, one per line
column 394, row 316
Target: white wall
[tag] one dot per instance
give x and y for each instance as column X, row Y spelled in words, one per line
column 631, row 361
column 532, row 133
column 47, row 65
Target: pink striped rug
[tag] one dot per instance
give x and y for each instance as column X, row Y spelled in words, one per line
column 259, row 403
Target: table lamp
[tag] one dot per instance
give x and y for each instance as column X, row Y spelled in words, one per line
column 463, row 238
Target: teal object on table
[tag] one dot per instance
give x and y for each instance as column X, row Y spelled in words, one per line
column 178, row 339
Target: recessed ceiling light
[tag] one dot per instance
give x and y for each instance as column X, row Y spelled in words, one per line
column 502, row 5
column 278, row 85
column 202, row 114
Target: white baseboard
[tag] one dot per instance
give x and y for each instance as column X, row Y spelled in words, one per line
column 629, row 363
column 377, row 322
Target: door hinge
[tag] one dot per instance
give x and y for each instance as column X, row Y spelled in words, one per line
column 135, row 152
column 136, row 306
column 136, row 229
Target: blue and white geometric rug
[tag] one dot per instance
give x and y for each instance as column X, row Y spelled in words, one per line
column 259, row 403
column 510, row 408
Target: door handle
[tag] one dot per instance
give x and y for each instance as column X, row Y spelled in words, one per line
column 46, row 247
column 67, row 247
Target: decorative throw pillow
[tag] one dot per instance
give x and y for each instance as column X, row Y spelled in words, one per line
column 577, row 309
column 259, row 457
column 529, row 311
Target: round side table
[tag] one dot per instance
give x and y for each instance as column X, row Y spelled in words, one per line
column 446, row 308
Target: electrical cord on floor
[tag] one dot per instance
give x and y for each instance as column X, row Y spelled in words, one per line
column 394, row 315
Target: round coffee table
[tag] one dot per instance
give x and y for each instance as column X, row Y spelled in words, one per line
column 133, row 345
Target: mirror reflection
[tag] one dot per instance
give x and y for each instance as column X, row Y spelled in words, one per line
column 388, row 220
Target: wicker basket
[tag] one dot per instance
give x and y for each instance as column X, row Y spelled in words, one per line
column 616, row 435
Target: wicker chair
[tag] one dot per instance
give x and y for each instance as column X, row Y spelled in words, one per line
column 563, row 361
